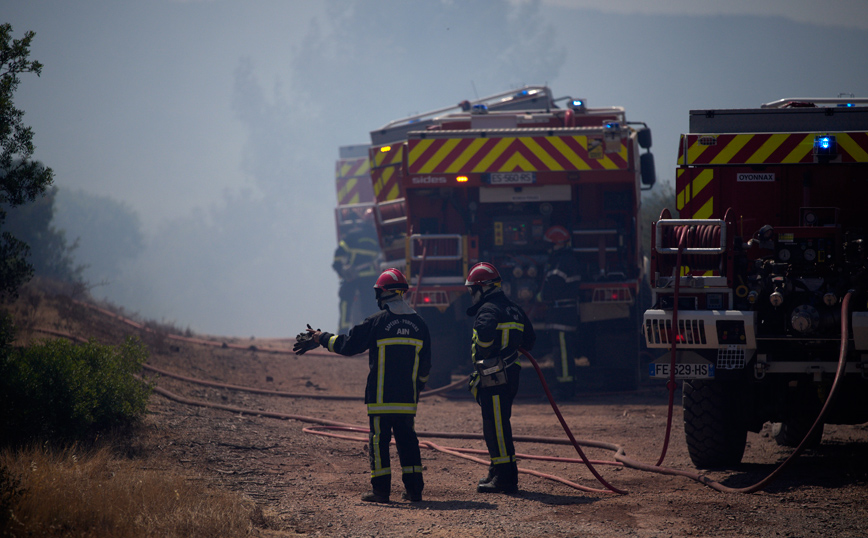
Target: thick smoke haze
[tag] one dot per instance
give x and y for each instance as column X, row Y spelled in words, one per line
column 194, row 142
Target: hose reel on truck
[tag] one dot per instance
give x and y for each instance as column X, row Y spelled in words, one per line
column 790, row 177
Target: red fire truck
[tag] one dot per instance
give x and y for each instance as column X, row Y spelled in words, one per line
column 755, row 272
column 355, row 194
column 353, row 218
column 483, row 181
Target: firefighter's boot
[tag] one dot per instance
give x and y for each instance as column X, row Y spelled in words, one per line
column 380, row 488
column 505, row 480
column 488, row 478
column 413, row 486
column 374, row 496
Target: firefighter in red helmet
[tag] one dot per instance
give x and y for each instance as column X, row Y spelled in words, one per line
column 399, row 358
column 500, row 327
column 560, row 292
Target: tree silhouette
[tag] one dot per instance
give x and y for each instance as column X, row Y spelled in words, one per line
column 22, row 180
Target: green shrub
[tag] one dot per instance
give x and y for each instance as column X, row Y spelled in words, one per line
column 10, row 494
column 57, row 390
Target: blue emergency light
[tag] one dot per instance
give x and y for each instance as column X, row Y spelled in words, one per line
column 578, row 105
column 825, row 147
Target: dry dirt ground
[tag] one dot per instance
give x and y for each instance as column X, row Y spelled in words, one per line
column 309, row 485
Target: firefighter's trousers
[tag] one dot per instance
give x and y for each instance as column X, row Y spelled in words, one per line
column 496, row 405
column 562, row 323
column 564, row 346
column 403, row 426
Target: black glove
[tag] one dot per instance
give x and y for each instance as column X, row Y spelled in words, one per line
column 304, row 342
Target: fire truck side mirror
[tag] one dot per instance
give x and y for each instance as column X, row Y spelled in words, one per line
column 646, row 167
column 644, row 137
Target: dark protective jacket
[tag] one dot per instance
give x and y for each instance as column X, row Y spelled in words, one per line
column 561, row 282
column 356, row 255
column 399, row 357
column 560, row 290
column 500, row 328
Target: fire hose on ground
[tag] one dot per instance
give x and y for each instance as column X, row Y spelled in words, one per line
column 620, row 458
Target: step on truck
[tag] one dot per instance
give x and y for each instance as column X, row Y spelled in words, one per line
column 769, row 240
column 482, row 181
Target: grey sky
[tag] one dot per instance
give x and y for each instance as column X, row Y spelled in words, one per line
column 835, row 13
column 218, row 122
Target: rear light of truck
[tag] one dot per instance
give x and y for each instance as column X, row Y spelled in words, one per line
column 612, row 295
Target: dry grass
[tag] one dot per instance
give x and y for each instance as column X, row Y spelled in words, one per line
column 96, row 494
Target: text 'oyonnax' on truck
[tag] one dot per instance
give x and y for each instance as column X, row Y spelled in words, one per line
column 771, row 239
column 483, row 181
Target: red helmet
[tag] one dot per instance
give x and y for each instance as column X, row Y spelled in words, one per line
column 392, row 280
column 557, row 234
column 482, row 274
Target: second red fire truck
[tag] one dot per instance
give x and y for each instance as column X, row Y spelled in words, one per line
column 761, row 285
column 483, row 181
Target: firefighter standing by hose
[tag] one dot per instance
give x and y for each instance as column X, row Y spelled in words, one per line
column 355, row 262
column 500, row 327
column 399, row 357
column 560, row 292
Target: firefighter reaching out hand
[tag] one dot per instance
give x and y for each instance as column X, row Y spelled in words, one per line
column 399, row 358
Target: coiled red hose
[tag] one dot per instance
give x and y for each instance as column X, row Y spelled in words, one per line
column 620, row 456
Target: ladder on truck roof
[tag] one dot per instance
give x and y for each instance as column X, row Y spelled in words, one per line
column 837, row 101
column 526, row 98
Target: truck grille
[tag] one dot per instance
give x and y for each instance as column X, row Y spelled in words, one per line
column 690, row 331
column 730, row 358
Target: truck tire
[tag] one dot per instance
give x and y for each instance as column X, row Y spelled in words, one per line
column 791, row 432
column 715, row 435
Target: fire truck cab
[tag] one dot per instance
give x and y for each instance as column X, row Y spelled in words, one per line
column 752, row 276
column 483, row 181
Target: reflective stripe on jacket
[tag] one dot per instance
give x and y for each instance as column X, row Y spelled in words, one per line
column 399, row 358
column 500, row 328
column 359, row 253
